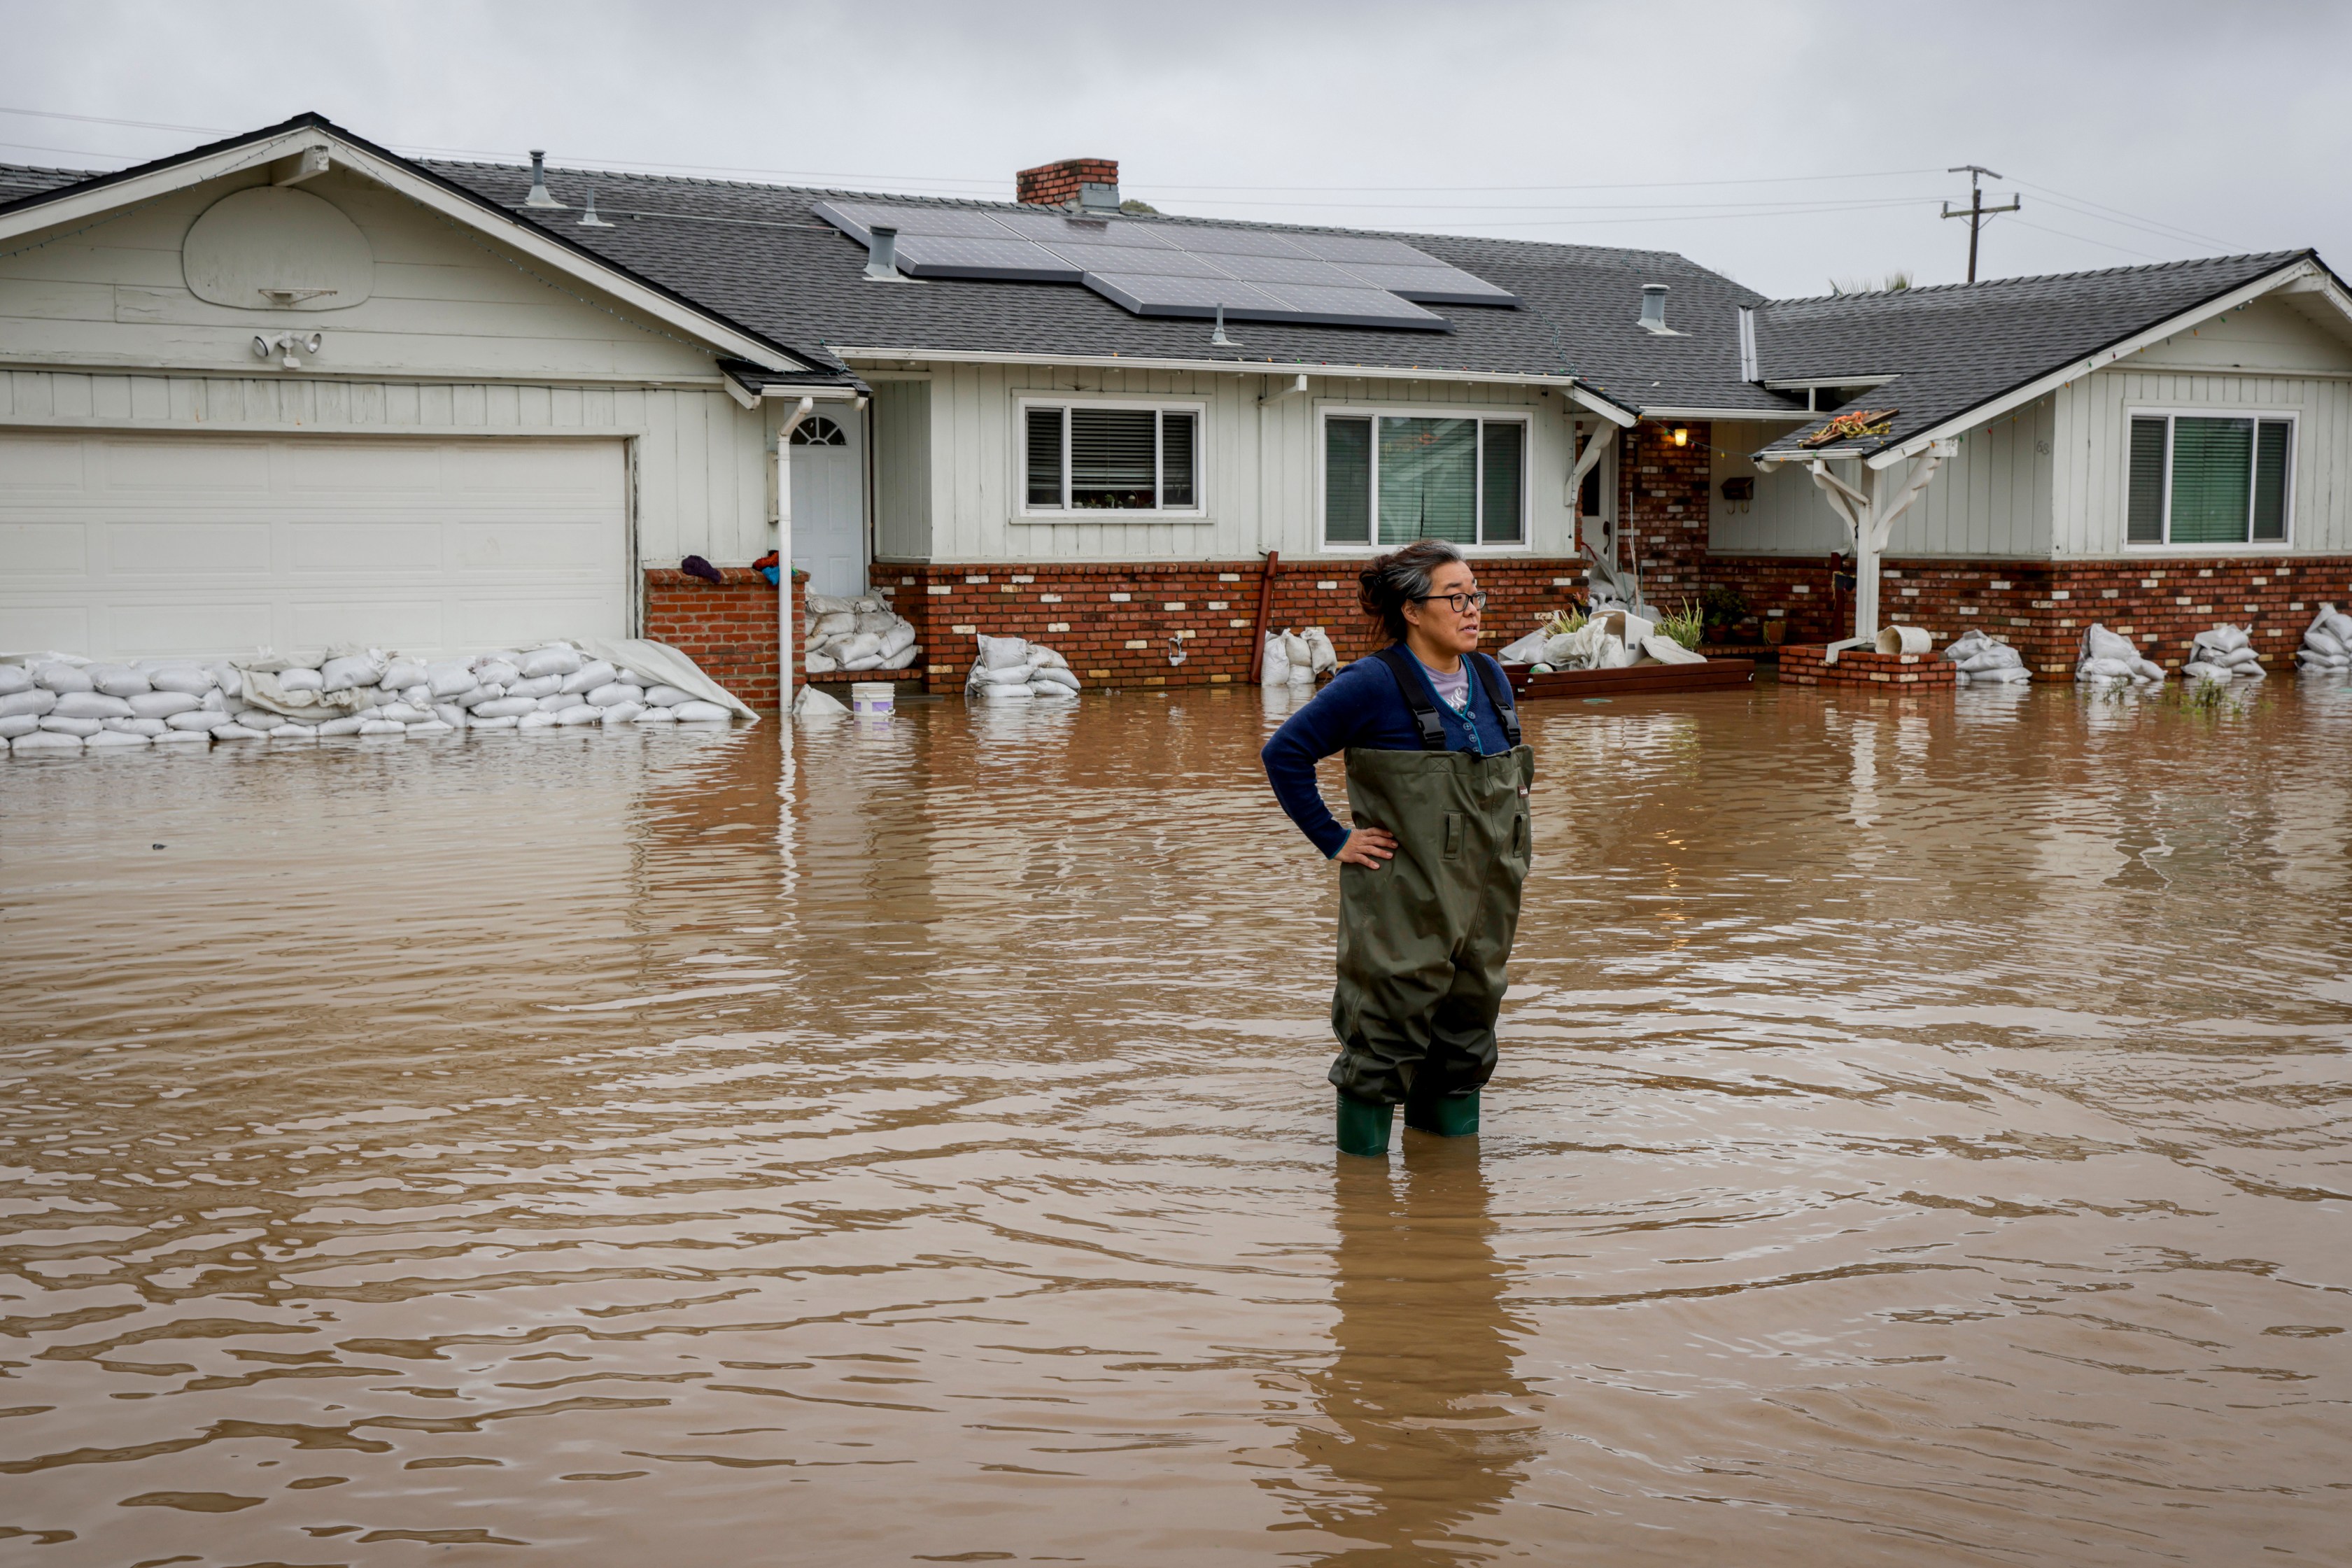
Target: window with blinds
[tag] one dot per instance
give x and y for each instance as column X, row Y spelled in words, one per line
column 1390, row 479
column 2202, row 479
column 1083, row 457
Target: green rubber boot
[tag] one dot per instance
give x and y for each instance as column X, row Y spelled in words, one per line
column 1448, row 1115
column 1364, row 1129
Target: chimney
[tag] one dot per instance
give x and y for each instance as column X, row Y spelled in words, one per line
column 1653, row 308
column 1090, row 181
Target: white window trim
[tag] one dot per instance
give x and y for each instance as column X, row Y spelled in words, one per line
column 1198, row 512
column 2249, row 546
column 1525, row 418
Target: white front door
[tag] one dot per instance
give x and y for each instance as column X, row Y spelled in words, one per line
column 829, row 504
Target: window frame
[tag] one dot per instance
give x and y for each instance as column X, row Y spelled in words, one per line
column 1523, row 417
column 2257, row 416
column 1025, row 512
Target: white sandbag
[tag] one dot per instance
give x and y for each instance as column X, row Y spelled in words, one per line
column 1002, row 652
column 535, row 721
column 430, row 726
column 473, row 700
column 2338, row 625
column 62, row 678
column 417, row 695
column 294, row 732
column 84, row 727
column 1060, row 677
column 667, row 696
column 382, row 727
column 818, row 604
column 233, row 731
column 214, row 700
column 559, row 662
column 402, row 674
column 1294, row 647
column 611, row 693
column 2198, row 670
column 1528, row 650
column 43, row 741
column 1053, row 660
column 813, row 703
column 146, row 726
column 15, row 678
column 2227, row 639
column 35, row 700
column 817, row 664
column 334, row 675
column 2105, row 668
column 1052, row 690
column 300, row 680
column 710, row 713
column 2323, row 642
column 898, row 637
column 1322, row 658
column 536, row 686
column 2098, row 643
column 865, row 645
column 257, row 718
column 621, row 713
column 1275, row 670
column 657, row 716
column 496, row 670
column 450, row 713
column 350, row 724
column 116, row 739
column 197, row 719
column 185, row 678
column 16, row 723
column 159, row 705
column 231, row 683
column 117, row 680
column 558, row 703
column 841, row 623
column 450, row 680
column 189, row 739
column 404, row 712
column 588, row 676
column 870, row 662
column 504, row 707
column 1005, row 691
column 2241, row 656
column 878, row 622
column 2006, row 675
column 1017, row 676
column 2149, row 669
column 508, row 723
column 2250, row 672
column 1666, row 650
column 579, row 712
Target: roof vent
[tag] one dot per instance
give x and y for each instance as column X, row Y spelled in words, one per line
column 1094, row 197
column 588, row 219
column 882, row 256
column 1653, row 310
column 1217, row 340
column 1748, row 364
column 539, row 196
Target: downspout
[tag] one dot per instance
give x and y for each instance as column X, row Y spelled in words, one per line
column 1264, row 613
column 784, row 556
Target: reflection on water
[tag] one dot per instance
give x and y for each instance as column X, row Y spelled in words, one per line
column 1918, row 1140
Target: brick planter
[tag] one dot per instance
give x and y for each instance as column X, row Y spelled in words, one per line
column 728, row 627
column 1807, row 664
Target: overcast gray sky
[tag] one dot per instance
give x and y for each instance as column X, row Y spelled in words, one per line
column 1782, row 144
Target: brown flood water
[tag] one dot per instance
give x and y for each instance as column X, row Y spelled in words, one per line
column 1920, row 1139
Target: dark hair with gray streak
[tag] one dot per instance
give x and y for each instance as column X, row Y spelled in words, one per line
column 1401, row 578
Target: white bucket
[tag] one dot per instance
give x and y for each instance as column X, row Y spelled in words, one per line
column 1906, row 640
column 870, row 699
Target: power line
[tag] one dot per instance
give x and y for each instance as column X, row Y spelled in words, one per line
column 2138, row 218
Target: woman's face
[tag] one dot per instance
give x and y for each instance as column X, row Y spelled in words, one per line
column 1451, row 629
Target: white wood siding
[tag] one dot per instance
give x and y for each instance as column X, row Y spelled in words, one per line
column 1258, row 464
column 902, row 469
column 1992, row 499
column 2094, row 435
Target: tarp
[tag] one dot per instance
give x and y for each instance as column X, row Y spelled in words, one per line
column 660, row 665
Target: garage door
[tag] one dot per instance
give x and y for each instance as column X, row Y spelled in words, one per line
column 120, row 546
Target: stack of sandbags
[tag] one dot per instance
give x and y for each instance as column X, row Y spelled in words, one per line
column 1987, row 660
column 2327, row 642
column 57, row 703
column 2225, row 653
column 1009, row 669
column 1296, row 658
column 2107, row 659
column 860, row 634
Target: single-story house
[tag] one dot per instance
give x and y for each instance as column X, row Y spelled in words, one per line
column 292, row 387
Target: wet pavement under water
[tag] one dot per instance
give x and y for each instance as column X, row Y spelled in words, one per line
column 1919, row 1139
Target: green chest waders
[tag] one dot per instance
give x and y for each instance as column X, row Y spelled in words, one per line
column 1425, row 939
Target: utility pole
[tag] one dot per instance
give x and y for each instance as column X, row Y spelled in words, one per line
column 1976, row 212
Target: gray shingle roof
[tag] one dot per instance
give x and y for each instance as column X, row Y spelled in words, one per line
column 757, row 254
column 1955, row 348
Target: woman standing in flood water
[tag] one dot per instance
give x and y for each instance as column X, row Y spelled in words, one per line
column 1430, row 876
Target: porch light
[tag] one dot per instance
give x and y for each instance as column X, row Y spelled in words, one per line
column 1682, row 436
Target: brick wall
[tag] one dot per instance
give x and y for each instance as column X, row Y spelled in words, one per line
column 2042, row 607
column 1116, row 624
column 1662, row 504
column 1053, row 185
column 728, row 628
column 1809, row 665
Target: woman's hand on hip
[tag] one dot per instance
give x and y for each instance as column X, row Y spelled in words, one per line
column 1367, row 847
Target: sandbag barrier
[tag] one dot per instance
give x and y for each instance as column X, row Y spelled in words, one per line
column 1982, row 660
column 1297, row 658
column 861, row 633
column 2326, row 643
column 57, row 703
column 1010, row 669
column 2225, row 653
column 2110, row 659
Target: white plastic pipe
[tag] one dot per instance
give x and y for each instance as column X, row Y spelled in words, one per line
column 784, row 556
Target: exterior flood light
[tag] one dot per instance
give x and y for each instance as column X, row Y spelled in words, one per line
column 289, row 345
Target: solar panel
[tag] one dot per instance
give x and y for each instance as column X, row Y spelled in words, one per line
column 1156, row 268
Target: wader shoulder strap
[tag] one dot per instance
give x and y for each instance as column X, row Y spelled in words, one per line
column 1498, row 692
column 1411, row 687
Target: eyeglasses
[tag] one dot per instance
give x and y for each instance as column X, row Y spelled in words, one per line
column 1462, row 603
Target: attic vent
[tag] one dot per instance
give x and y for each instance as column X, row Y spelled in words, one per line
column 1653, row 310
column 882, row 260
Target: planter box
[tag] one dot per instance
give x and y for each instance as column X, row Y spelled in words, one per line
column 1528, row 686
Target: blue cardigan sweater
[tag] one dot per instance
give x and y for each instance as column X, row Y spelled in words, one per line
column 1362, row 706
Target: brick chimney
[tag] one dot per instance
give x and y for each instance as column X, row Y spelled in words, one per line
column 1056, row 184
